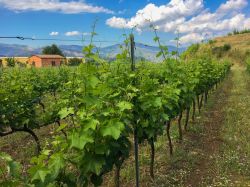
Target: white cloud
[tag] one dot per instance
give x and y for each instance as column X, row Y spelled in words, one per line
column 212, row 24
column 190, row 22
column 191, row 38
column 70, row 7
column 190, row 17
column 232, row 5
column 175, row 9
column 117, row 22
column 77, row 33
column 73, row 33
column 53, row 33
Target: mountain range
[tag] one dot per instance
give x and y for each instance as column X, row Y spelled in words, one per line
column 142, row 51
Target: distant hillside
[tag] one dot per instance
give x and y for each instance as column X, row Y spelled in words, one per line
column 17, row 50
column 236, row 48
column 239, row 41
column 142, row 51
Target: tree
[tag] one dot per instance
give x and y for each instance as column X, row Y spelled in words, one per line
column 74, row 61
column 52, row 50
column 1, row 63
column 11, row 62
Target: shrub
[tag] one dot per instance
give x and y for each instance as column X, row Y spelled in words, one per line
column 74, row 61
column 245, row 31
column 219, row 51
column 211, row 42
column 20, row 64
column 226, row 47
column 11, row 62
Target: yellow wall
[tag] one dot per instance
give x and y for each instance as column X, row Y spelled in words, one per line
column 19, row 59
column 24, row 59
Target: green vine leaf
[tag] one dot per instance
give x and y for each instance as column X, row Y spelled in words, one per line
column 40, row 175
column 124, row 105
column 79, row 140
column 113, row 129
column 66, row 112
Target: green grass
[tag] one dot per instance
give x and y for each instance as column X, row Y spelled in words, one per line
column 234, row 160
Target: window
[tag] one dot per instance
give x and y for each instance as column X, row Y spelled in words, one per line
column 53, row 63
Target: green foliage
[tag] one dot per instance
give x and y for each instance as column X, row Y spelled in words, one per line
column 20, row 64
column 220, row 51
column 11, row 62
column 236, row 32
column 226, row 47
column 248, row 64
column 98, row 104
column 163, row 49
column 89, row 55
column 10, row 171
column 124, row 55
column 74, row 61
column 52, row 50
column 22, row 97
column 211, row 42
column 191, row 51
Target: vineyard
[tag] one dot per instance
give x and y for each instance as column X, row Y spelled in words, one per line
column 103, row 112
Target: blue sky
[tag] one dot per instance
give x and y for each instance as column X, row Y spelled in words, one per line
column 196, row 20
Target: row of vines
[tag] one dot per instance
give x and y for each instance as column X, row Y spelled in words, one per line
column 99, row 107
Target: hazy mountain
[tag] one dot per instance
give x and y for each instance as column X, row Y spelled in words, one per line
column 142, row 51
column 17, row 50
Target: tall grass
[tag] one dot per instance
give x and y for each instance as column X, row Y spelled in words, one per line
column 248, row 64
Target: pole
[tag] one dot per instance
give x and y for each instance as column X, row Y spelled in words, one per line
column 132, row 48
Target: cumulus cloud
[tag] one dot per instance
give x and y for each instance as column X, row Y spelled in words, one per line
column 232, row 5
column 190, row 17
column 53, row 33
column 192, row 38
column 70, row 7
column 117, row 22
column 175, row 9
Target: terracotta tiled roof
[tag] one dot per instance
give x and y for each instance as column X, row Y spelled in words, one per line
column 49, row 56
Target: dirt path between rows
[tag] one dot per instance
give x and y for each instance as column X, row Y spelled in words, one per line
column 210, row 141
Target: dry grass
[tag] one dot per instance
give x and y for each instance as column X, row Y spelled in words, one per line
column 240, row 41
